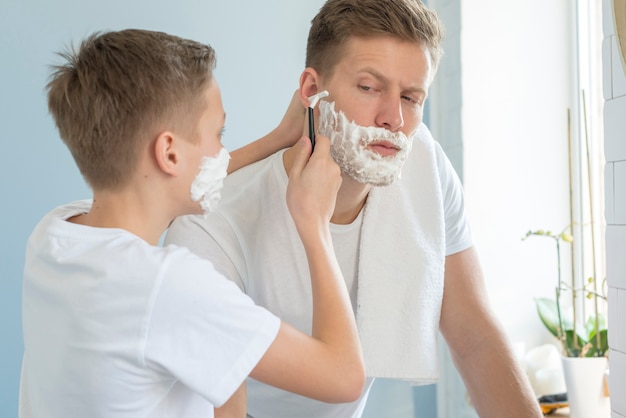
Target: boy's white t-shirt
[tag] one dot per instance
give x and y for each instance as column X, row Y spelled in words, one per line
column 115, row 327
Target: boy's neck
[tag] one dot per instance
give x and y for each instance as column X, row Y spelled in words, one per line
column 350, row 198
column 128, row 212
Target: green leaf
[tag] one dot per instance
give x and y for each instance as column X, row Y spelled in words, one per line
column 570, row 347
column 548, row 313
column 590, row 326
column 600, row 351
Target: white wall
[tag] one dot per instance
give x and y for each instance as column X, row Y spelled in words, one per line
column 500, row 105
column 614, row 86
column 517, row 80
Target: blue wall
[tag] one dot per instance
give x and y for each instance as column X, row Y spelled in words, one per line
column 260, row 47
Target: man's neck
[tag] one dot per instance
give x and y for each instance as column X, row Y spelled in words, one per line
column 350, row 198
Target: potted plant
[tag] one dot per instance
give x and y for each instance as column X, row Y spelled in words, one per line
column 583, row 338
column 578, row 336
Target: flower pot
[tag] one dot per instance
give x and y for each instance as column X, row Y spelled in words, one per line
column 584, row 379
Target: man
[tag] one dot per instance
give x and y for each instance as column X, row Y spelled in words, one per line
column 400, row 241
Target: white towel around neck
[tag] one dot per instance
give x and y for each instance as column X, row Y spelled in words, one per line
column 401, row 265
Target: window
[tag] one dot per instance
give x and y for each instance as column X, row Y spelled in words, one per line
column 588, row 151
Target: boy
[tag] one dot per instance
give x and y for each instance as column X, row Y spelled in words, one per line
column 115, row 325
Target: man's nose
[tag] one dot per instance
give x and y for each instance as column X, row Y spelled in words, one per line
column 390, row 114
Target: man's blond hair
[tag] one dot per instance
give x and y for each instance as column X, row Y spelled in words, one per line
column 339, row 20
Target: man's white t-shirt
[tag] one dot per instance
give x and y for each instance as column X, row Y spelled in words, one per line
column 115, row 327
column 252, row 240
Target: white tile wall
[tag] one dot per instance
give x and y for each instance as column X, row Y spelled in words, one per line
column 614, row 88
column 616, row 381
column 619, row 191
column 609, row 187
column 615, row 260
column 615, row 129
column 619, row 81
column 613, row 313
column 620, row 334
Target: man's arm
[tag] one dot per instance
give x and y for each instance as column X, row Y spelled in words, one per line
column 288, row 131
column 480, row 350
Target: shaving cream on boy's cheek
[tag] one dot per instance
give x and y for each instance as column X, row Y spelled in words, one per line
column 348, row 142
column 207, row 185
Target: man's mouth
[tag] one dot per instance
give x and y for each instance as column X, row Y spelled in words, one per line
column 383, row 148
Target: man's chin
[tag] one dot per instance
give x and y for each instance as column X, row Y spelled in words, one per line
column 383, row 183
column 374, row 181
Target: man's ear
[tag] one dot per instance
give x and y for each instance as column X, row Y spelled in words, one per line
column 166, row 154
column 309, row 85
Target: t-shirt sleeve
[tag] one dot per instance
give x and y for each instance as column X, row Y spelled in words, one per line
column 204, row 330
column 458, row 233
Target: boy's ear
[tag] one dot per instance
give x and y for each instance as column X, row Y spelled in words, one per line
column 309, row 85
column 166, row 154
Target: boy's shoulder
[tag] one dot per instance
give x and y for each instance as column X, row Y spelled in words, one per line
column 70, row 209
column 58, row 248
column 54, row 236
column 54, row 220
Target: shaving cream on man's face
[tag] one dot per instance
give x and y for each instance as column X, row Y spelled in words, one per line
column 207, row 185
column 348, row 147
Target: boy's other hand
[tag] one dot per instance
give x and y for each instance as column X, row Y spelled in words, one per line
column 292, row 124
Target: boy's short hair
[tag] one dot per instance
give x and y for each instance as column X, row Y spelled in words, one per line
column 120, row 90
column 339, row 20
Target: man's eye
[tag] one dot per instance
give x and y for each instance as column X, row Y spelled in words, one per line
column 412, row 100
column 365, row 88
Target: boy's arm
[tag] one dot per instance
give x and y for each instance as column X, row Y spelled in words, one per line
column 328, row 365
column 496, row 384
column 284, row 135
column 235, row 407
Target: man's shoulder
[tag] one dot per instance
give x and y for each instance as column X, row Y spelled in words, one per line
column 245, row 197
column 256, row 182
column 256, row 172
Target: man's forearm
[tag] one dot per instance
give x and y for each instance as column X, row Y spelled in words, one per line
column 496, row 383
